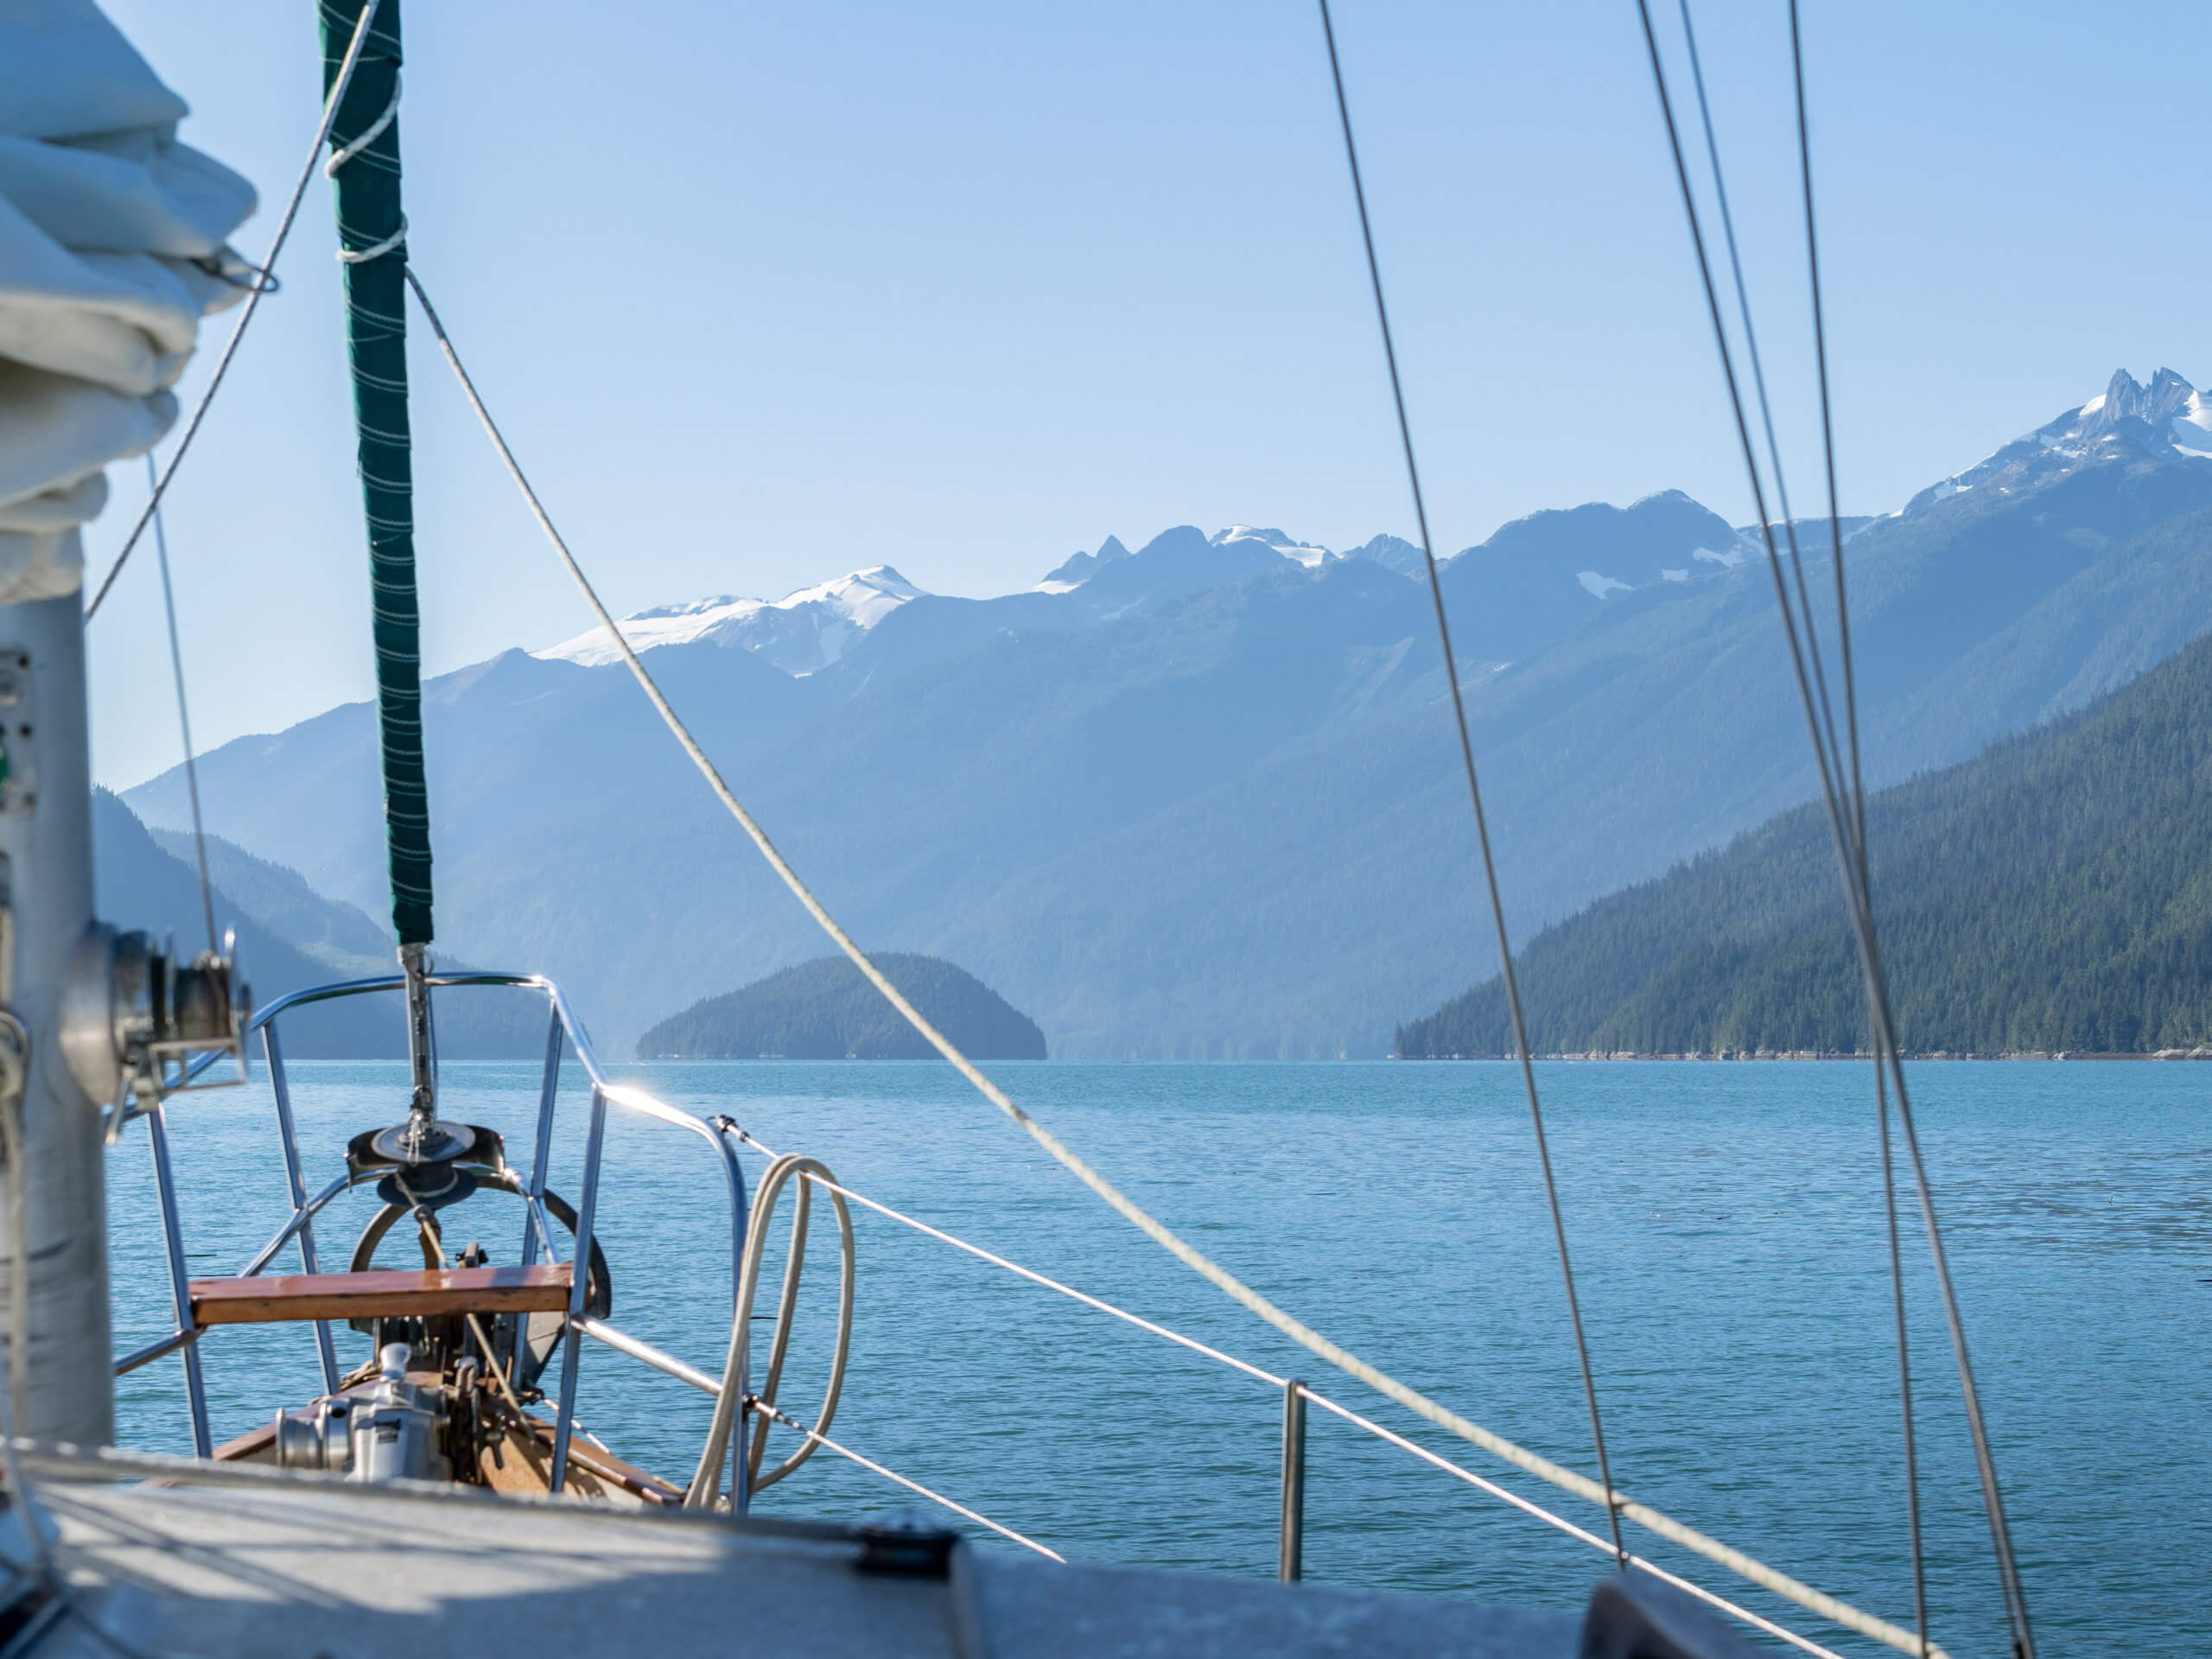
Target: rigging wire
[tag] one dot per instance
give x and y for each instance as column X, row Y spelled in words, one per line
column 1843, row 800
column 264, row 283
column 184, row 721
column 1758, row 380
column 1352, row 1364
column 1858, row 793
column 1992, row 1495
column 1474, row 792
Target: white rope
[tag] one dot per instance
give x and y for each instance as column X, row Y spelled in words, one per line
column 261, row 286
column 727, row 1398
column 911, row 1486
column 1458, row 1471
column 345, row 153
column 1343, row 1359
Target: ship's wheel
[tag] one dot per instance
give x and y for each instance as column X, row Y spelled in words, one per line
column 531, row 1337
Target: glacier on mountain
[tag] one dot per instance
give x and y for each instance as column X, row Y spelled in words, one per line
column 799, row 633
column 1302, row 553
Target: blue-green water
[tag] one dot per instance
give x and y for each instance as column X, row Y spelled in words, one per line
column 1727, row 1228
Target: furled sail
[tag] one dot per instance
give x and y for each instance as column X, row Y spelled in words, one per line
column 372, row 237
column 112, row 249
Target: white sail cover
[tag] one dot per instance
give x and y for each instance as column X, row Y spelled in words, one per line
column 112, row 249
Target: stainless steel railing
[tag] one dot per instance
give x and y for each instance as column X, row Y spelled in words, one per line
column 563, row 1030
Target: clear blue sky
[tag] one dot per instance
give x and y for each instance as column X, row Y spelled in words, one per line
column 763, row 294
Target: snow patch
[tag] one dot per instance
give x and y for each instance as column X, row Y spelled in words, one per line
column 2192, row 428
column 1598, row 586
column 1728, row 559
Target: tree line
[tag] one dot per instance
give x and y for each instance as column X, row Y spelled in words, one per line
column 2052, row 894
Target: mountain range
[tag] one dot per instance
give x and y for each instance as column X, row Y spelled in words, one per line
column 1202, row 799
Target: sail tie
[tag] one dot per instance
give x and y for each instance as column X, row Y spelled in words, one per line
column 345, row 153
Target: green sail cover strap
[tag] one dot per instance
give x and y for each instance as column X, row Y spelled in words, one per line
column 373, row 231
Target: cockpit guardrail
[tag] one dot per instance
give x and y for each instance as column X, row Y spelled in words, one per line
column 563, row 1030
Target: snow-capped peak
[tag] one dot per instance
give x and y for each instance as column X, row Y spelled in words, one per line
column 2169, row 419
column 2170, row 406
column 800, row 632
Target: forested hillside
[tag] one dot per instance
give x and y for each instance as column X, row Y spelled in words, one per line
column 2053, row 894
column 824, row 1010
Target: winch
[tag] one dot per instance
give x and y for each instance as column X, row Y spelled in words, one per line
column 391, row 1433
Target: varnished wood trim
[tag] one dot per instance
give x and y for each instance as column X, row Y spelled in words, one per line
column 387, row 1293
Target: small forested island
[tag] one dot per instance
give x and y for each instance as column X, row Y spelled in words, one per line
column 2050, row 896
column 824, row 1010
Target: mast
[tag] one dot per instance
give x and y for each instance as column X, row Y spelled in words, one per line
column 87, row 1015
column 60, row 1366
column 372, row 237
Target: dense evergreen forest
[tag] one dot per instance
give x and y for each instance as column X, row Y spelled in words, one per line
column 824, row 1010
column 2053, row 894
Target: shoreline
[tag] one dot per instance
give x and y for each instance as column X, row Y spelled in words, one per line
column 2200, row 1052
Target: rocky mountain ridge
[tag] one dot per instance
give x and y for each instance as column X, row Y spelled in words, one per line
column 1204, row 801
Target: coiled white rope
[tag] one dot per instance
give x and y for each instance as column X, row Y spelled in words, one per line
column 1767, row 1578
column 704, row 1481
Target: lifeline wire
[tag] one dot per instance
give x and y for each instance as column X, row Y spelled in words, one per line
column 1668, row 1528
column 1844, row 827
column 1475, row 795
column 824, row 1441
column 1858, row 790
column 253, row 302
column 1456, row 1470
column 184, row 719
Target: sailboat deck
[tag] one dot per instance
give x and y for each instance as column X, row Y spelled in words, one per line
column 341, row 1573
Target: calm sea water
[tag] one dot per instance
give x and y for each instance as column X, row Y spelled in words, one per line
column 1726, row 1226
